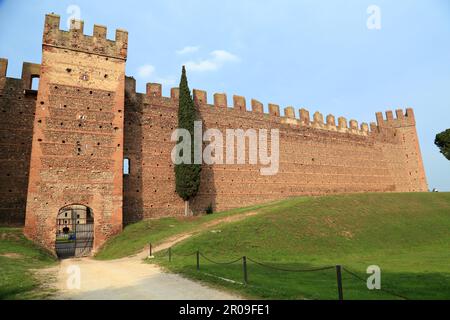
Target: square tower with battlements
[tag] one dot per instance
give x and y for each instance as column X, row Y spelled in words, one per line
column 77, row 147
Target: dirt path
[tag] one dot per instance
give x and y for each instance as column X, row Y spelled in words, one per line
column 127, row 279
column 131, row 278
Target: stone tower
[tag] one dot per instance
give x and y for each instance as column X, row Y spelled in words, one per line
column 77, row 147
column 405, row 159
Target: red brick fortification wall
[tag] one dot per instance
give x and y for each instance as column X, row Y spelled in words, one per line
column 316, row 156
column 77, row 146
column 72, row 136
column 17, row 105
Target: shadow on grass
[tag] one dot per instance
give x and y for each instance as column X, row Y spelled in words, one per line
column 267, row 283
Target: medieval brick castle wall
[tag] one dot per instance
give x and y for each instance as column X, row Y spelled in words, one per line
column 65, row 144
column 316, row 156
column 17, row 105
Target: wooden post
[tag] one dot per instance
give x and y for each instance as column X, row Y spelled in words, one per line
column 244, row 265
column 339, row 282
column 198, row 260
column 186, row 208
column 170, row 254
column 150, row 250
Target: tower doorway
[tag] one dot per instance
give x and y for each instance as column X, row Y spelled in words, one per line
column 74, row 231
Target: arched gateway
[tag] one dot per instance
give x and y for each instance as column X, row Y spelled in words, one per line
column 74, row 231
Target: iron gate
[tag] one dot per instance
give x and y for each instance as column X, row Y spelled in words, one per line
column 74, row 232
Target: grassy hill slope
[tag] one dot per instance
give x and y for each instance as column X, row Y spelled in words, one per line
column 138, row 235
column 18, row 257
column 406, row 235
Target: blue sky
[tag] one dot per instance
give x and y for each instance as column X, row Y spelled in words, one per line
column 314, row 54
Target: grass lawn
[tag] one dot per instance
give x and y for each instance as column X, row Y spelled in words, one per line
column 136, row 236
column 406, row 235
column 18, row 256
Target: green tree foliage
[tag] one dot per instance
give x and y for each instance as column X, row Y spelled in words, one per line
column 443, row 142
column 187, row 175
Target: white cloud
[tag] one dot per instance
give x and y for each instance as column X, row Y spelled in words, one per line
column 188, row 49
column 146, row 71
column 201, row 66
column 224, row 56
column 216, row 60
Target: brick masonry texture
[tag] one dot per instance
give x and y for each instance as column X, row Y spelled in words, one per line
column 17, row 107
column 65, row 144
column 315, row 157
column 77, row 148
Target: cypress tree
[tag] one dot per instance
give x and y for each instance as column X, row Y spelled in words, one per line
column 442, row 141
column 187, row 175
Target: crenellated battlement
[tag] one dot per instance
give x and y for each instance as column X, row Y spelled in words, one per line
column 289, row 113
column 29, row 71
column 318, row 121
column 154, row 90
column 74, row 39
column 401, row 119
column 3, row 67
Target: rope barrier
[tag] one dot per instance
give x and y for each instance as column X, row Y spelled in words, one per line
column 220, row 263
column 384, row 290
column 290, row 270
column 264, row 265
column 184, row 255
